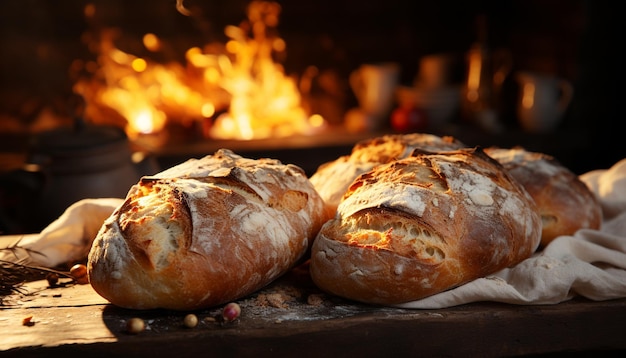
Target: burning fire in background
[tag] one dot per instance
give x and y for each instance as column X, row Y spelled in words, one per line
column 234, row 90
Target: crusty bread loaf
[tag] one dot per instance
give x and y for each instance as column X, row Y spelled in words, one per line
column 205, row 232
column 564, row 202
column 422, row 225
column 332, row 179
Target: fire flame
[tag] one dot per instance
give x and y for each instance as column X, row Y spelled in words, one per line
column 240, row 79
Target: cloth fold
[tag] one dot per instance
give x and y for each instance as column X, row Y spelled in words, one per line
column 67, row 239
column 590, row 263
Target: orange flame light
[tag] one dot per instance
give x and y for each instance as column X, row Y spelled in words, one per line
column 239, row 79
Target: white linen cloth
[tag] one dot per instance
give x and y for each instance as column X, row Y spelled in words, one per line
column 67, row 239
column 591, row 263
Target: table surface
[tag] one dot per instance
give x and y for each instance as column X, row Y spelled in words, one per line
column 291, row 317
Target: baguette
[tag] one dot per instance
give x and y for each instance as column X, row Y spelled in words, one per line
column 421, row 225
column 205, row 232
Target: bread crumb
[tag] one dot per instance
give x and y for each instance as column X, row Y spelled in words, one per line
column 315, row 299
column 277, row 300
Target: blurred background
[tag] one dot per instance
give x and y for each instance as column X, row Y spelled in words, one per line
column 468, row 69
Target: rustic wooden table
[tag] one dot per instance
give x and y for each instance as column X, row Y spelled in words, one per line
column 292, row 318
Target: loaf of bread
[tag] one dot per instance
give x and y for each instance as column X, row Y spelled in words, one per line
column 205, row 232
column 564, row 202
column 421, row 225
column 332, row 179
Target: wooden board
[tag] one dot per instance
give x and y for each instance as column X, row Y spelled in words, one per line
column 292, row 318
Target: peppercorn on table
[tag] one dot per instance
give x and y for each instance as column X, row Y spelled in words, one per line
column 292, row 317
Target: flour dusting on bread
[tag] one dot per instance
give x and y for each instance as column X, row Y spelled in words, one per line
column 423, row 224
column 332, row 179
column 205, row 232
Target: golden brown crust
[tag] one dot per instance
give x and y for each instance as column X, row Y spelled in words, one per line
column 424, row 224
column 205, row 232
column 331, row 180
column 565, row 203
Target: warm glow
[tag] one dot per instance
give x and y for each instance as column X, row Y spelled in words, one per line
column 143, row 122
column 528, row 95
column 279, row 45
column 316, row 120
column 90, row 10
column 212, row 75
column 208, row 110
column 139, row 64
column 232, row 47
column 152, row 42
column 239, row 79
column 264, row 101
column 474, row 70
column 120, row 57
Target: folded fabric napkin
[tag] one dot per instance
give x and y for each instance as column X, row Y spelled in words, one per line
column 591, row 263
column 67, row 239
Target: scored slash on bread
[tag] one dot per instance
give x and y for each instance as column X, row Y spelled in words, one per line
column 400, row 218
column 332, row 179
column 424, row 224
column 205, row 232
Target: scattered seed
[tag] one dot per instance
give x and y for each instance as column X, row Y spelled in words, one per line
column 52, row 278
column 231, row 312
column 79, row 273
column 191, row 320
column 135, row 325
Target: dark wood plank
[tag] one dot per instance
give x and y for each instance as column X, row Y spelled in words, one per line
column 75, row 321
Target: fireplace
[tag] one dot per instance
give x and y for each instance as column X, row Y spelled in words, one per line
column 180, row 77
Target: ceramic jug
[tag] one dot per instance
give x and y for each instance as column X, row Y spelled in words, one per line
column 374, row 87
column 542, row 101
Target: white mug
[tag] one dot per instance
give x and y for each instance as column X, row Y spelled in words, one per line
column 542, row 101
column 374, row 87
